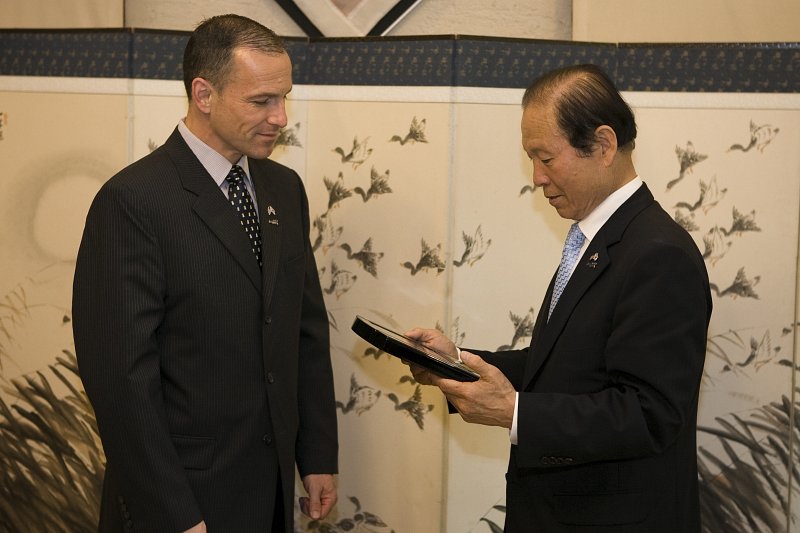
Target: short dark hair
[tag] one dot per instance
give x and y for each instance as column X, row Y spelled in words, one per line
column 210, row 49
column 583, row 98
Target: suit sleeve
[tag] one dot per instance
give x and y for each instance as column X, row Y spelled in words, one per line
column 118, row 304
column 653, row 356
column 317, row 441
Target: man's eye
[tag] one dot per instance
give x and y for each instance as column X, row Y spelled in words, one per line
column 547, row 161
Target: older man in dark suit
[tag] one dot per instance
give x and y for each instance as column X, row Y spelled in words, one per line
column 602, row 406
column 200, row 329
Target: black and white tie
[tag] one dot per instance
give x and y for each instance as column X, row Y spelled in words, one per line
column 240, row 199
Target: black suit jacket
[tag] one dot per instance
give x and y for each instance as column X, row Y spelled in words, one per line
column 609, row 386
column 210, row 378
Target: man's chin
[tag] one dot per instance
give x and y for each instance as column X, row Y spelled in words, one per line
column 261, row 152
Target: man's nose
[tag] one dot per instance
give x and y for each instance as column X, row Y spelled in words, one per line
column 539, row 175
column 278, row 116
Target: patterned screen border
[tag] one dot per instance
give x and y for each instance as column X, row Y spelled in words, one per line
column 436, row 61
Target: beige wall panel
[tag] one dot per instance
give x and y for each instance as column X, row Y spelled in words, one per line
column 390, row 462
column 61, row 14
column 153, row 119
column 681, row 21
column 751, row 335
column 522, row 238
column 749, row 218
column 544, row 19
column 57, row 150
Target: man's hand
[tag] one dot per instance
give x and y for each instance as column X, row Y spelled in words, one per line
column 434, row 339
column 199, row 528
column 488, row 401
column 321, row 497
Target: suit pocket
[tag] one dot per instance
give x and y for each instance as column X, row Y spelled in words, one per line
column 601, row 509
column 195, row 453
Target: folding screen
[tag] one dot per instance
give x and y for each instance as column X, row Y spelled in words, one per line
column 422, row 214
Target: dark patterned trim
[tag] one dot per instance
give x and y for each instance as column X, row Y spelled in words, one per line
column 438, row 61
column 381, row 61
column 729, row 67
column 482, row 62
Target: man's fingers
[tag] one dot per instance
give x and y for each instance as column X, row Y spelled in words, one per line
column 475, row 362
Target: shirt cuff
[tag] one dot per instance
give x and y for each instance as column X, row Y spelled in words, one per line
column 513, row 431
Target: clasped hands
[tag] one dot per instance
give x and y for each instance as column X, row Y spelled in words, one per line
column 488, row 401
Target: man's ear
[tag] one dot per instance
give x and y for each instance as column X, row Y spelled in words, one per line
column 606, row 140
column 201, row 94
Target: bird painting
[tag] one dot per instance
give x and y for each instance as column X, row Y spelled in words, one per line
column 710, row 195
column 742, row 286
column 341, row 281
column 374, row 352
column 430, row 259
column 475, row 246
column 379, row 184
column 523, row 328
column 416, row 133
column 716, row 246
column 327, row 233
column 742, row 222
column 407, row 379
column 760, row 137
column 288, row 137
column 412, row 407
column 336, row 190
column 456, row 335
column 528, row 188
column 357, row 154
column 361, row 400
column 687, row 158
column 365, row 256
column 361, row 521
column 760, row 352
column 686, row 221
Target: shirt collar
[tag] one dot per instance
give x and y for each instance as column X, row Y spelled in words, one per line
column 214, row 163
column 595, row 220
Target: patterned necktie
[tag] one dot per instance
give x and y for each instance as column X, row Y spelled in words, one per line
column 569, row 256
column 241, row 201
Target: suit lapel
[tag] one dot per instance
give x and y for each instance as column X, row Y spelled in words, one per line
column 591, row 265
column 269, row 211
column 212, row 207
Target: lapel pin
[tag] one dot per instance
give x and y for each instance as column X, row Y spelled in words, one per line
column 270, row 210
column 593, row 260
column 273, row 221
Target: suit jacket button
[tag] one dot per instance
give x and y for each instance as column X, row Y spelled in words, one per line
column 267, row 439
column 267, row 320
column 270, row 378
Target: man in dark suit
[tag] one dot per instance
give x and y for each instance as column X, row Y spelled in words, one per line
column 602, row 406
column 210, row 376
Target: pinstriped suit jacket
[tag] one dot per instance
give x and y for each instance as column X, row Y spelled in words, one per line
column 609, row 386
column 210, row 379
